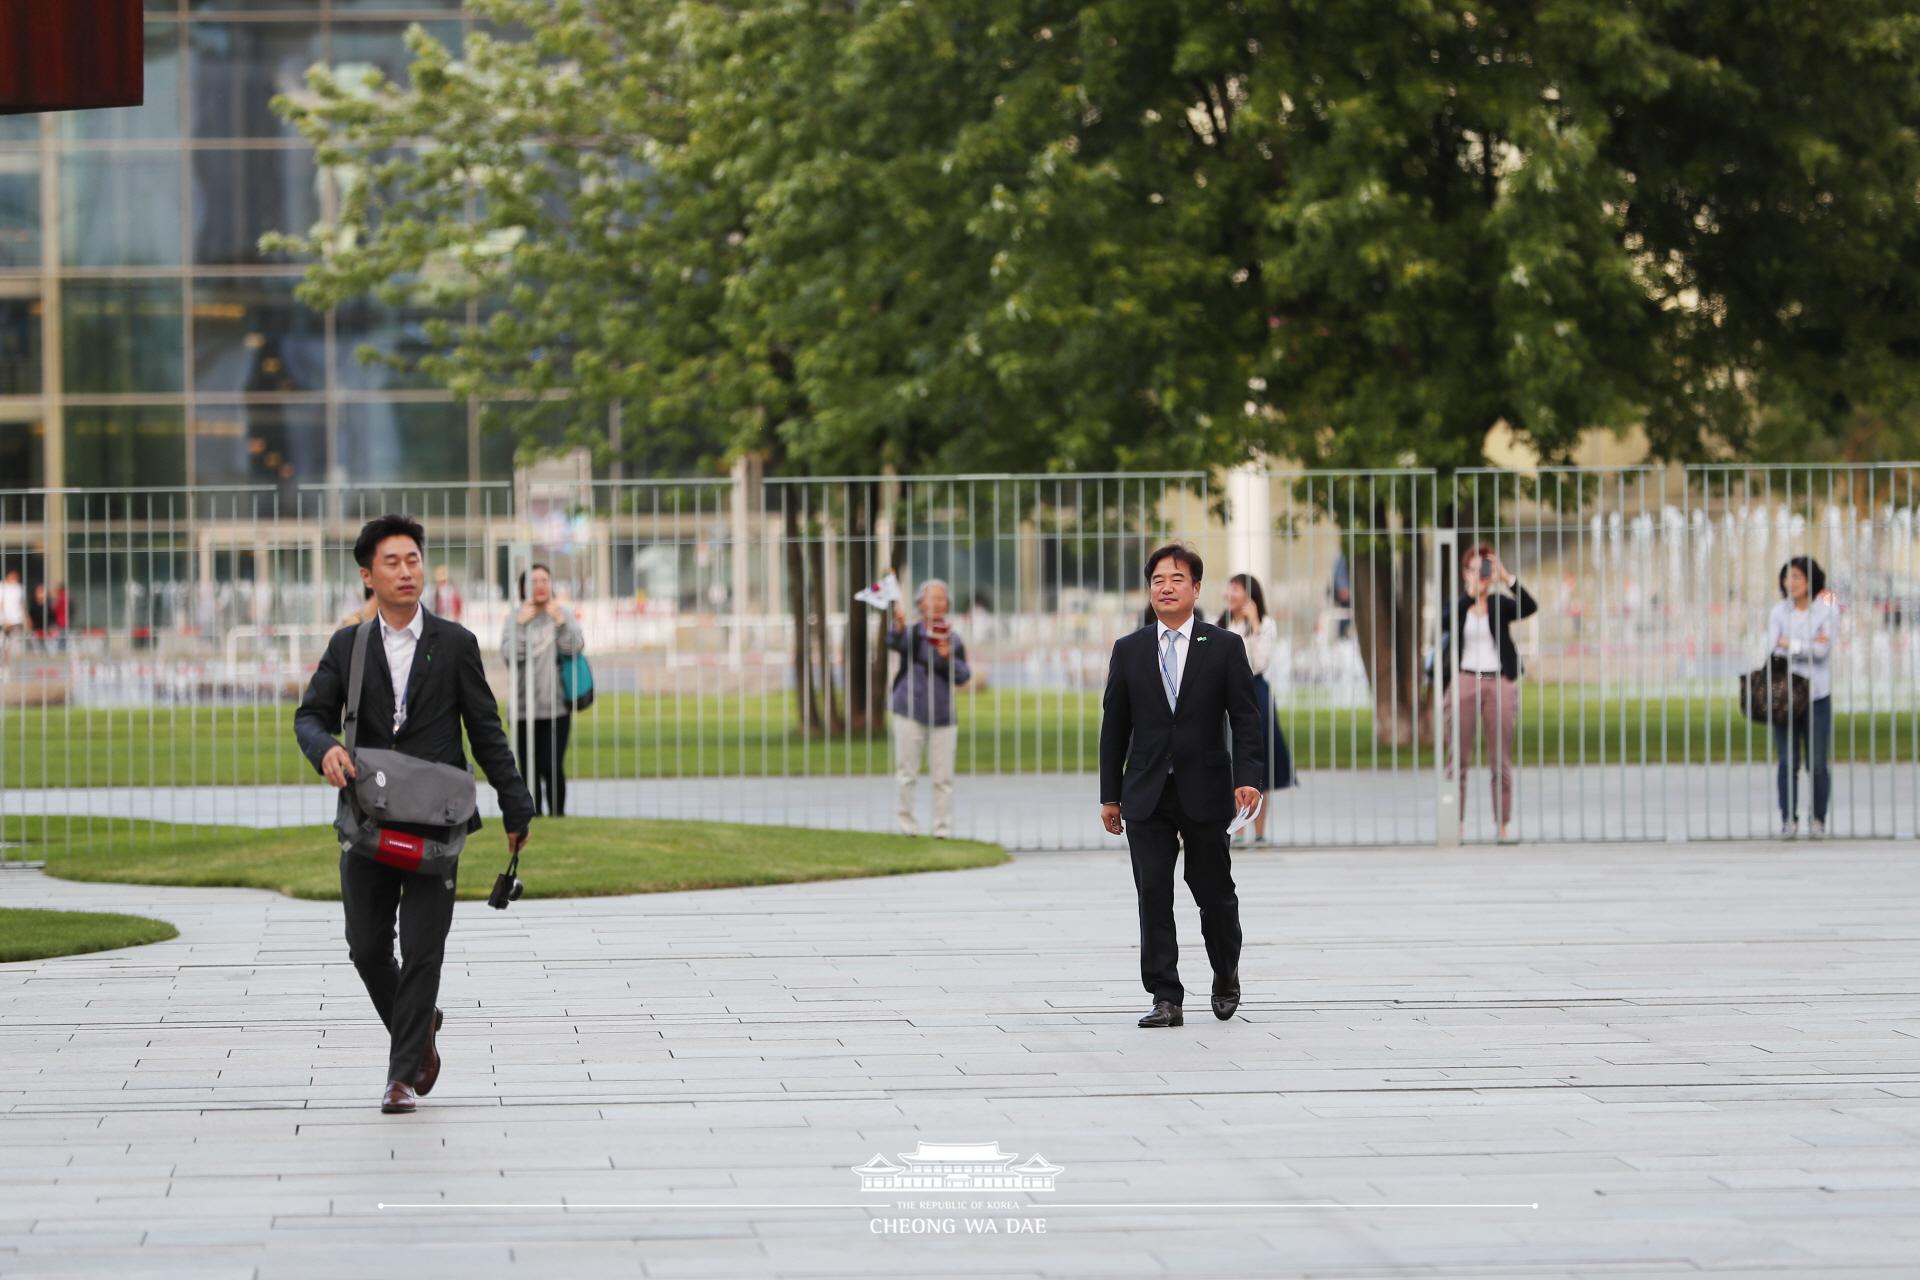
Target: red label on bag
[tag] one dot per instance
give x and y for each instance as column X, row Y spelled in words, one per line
column 398, row 849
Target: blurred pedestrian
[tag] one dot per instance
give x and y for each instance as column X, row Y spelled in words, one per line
column 445, row 601
column 1246, row 614
column 536, row 638
column 13, row 609
column 40, row 614
column 933, row 663
column 1801, row 628
column 1340, row 592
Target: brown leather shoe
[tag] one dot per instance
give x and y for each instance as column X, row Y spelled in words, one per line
column 430, row 1070
column 399, row 1100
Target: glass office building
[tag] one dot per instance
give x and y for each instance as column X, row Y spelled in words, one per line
column 145, row 339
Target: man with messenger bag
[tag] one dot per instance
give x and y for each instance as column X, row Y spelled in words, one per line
column 402, row 684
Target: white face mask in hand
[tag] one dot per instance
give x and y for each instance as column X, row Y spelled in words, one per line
column 1242, row 818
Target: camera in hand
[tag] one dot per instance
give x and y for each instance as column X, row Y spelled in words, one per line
column 1486, row 568
column 506, row 886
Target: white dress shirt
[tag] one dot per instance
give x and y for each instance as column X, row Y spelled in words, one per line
column 1180, row 647
column 400, row 646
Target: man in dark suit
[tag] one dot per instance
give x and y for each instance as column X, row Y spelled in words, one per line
column 1167, row 777
column 423, row 681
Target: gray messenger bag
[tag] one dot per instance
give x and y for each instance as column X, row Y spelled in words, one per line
column 398, row 809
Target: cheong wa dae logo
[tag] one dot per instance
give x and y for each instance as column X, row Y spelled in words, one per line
column 958, row 1166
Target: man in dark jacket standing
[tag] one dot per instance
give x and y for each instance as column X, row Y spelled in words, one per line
column 1167, row 777
column 423, row 680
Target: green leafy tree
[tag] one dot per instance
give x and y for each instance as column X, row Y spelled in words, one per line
column 1155, row 233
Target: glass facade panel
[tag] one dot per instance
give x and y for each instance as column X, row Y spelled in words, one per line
column 19, row 209
column 237, row 69
column 121, row 337
column 344, row 7
column 137, row 446
column 255, row 336
column 391, row 331
column 157, row 117
column 239, row 196
column 120, row 210
column 358, row 46
column 252, row 444
column 20, row 346
column 388, row 443
column 162, row 289
column 23, row 448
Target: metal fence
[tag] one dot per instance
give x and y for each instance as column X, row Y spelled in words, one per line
column 169, row 633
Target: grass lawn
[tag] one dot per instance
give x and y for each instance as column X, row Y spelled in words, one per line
column 574, row 858
column 1001, row 731
column 28, row 933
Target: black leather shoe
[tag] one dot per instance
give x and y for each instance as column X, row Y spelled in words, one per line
column 1226, row 997
column 1165, row 1014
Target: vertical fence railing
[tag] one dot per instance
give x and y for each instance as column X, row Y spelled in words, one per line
column 738, row 678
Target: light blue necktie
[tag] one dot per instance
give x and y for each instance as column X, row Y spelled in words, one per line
column 1169, row 671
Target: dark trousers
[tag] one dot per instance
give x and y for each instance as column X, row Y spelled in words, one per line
column 404, row 993
column 543, row 761
column 1806, row 742
column 1155, row 844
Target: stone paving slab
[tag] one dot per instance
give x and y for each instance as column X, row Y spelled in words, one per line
column 1694, row 1059
column 1392, row 804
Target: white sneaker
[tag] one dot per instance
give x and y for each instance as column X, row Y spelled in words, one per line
column 1818, row 830
column 1789, row 830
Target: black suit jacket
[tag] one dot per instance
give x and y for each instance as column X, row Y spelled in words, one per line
column 1140, row 734
column 446, row 688
column 1502, row 611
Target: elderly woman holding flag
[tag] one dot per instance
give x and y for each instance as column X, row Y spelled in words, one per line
column 933, row 663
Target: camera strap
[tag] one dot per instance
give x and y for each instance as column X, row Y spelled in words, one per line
column 356, row 678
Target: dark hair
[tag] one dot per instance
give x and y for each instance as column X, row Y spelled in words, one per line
column 379, row 529
column 1251, row 585
column 1816, row 576
column 1178, row 552
column 524, row 573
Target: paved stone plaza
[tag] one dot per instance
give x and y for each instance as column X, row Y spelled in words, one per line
column 1691, row 1058
column 1057, row 811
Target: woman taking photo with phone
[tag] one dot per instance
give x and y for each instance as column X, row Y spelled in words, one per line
column 933, row 663
column 1486, row 695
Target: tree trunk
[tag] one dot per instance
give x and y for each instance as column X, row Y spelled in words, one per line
column 861, row 699
column 1386, row 623
column 805, row 699
column 831, row 721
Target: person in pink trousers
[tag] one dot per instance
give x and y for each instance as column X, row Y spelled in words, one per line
column 1484, row 699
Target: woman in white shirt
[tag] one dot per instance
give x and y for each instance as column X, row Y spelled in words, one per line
column 1484, row 699
column 1247, row 614
column 1800, row 628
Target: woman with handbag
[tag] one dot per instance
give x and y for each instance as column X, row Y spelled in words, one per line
column 541, row 636
column 1800, row 629
column 1247, row 614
